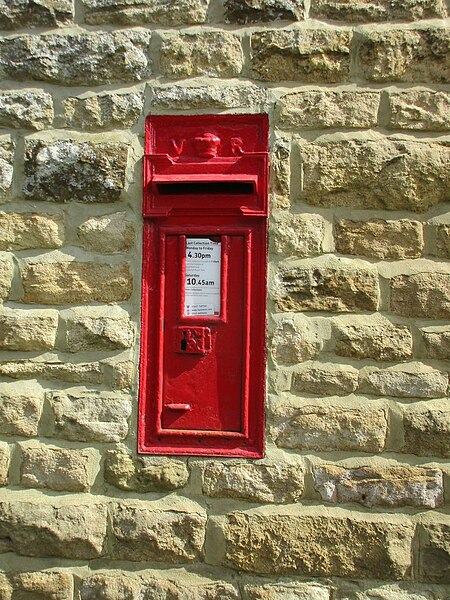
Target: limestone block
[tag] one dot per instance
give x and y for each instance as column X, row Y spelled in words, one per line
column 144, row 473
column 287, row 591
column 248, row 11
column 413, row 380
column 90, row 416
column 210, row 53
column 425, row 295
column 6, row 166
column 325, row 379
column 377, row 238
column 297, row 234
column 43, row 528
column 20, row 408
column 375, row 173
column 414, row 55
column 419, row 109
column 372, row 337
column 103, row 111
column 6, row 276
column 107, row 234
column 28, row 109
column 437, row 342
column 137, row 12
column 4, row 464
column 443, row 240
column 23, row 231
column 158, row 588
column 360, row 11
column 317, row 109
column 391, row 486
column 66, row 170
column 306, row 55
column 59, row 469
column 28, row 13
column 280, row 173
column 109, row 586
column 427, row 428
column 335, row 543
column 295, row 340
column 158, row 531
column 119, row 372
column 53, row 368
column 402, row 591
column 75, row 282
column 5, row 588
column 89, row 58
column 434, row 553
column 330, row 427
column 28, row 330
column 44, row 585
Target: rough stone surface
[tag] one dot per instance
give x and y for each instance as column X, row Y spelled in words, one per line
column 4, row 464
column 412, row 55
column 360, row 11
column 326, row 289
column 52, row 369
column 137, row 12
column 15, row 14
column 23, row 231
column 103, row 111
column 287, row 591
column 59, row 469
column 248, row 11
column 280, row 172
column 6, row 166
column 28, row 109
column 6, row 276
column 329, row 428
column 75, row 282
column 28, row 330
column 97, row 328
column 341, row 544
column 144, row 473
column 41, row 529
column 20, row 408
column 46, row 585
column 314, row 109
column 144, row 531
column 90, row 416
column 65, row 170
column 427, row 429
column 257, row 482
column 425, row 295
column 295, row 340
column 108, row 234
column 399, row 591
column 325, row 379
column 419, row 109
column 409, row 381
column 373, row 337
column 437, row 342
column 383, row 173
column 297, row 235
column 434, row 565
column 109, row 586
column 90, row 58
column 380, row 239
column 211, row 53
column 309, row 56
column 443, row 240
column 391, row 486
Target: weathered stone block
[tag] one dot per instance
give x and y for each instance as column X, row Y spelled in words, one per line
column 443, row 240
column 280, row 173
column 6, row 165
column 75, row 282
column 156, row 588
column 44, row 585
column 119, row 372
column 255, row 482
column 434, row 553
column 158, row 532
column 380, row 239
column 53, row 368
column 108, row 234
column 4, row 464
column 372, row 337
column 391, row 486
column 28, row 330
column 103, row 111
column 437, row 342
column 372, row 591
column 306, row 55
column 413, row 55
column 419, row 109
column 52, row 529
column 20, row 408
column 65, row 170
column 210, row 53
column 28, row 13
column 295, row 340
column 6, row 276
column 23, row 231
column 144, row 473
column 413, row 380
column 90, row 58
column 60, row 469
column 325, row 379
column 316, row 109
column 90, row 416
column 97, row 328
column 360, row 11
column 287, row 591
column 425, row 295
column 297, row 235
column 28, row 109
column 329, row 428
column 427, row 429
column 137, row 12
column 247, row 11
column 383, row 173
column 110, row 586
column 333, row 543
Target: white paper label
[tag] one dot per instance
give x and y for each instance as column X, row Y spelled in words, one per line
column 202, row 282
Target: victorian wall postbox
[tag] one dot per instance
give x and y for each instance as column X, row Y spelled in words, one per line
column 204, row 285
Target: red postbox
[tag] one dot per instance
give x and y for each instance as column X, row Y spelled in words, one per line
column 202, row 365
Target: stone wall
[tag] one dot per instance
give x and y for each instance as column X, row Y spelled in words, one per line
column 350, row 501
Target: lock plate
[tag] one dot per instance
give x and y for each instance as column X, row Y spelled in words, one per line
column 193, row 340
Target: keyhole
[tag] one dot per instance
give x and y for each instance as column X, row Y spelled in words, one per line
column 184, row 344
